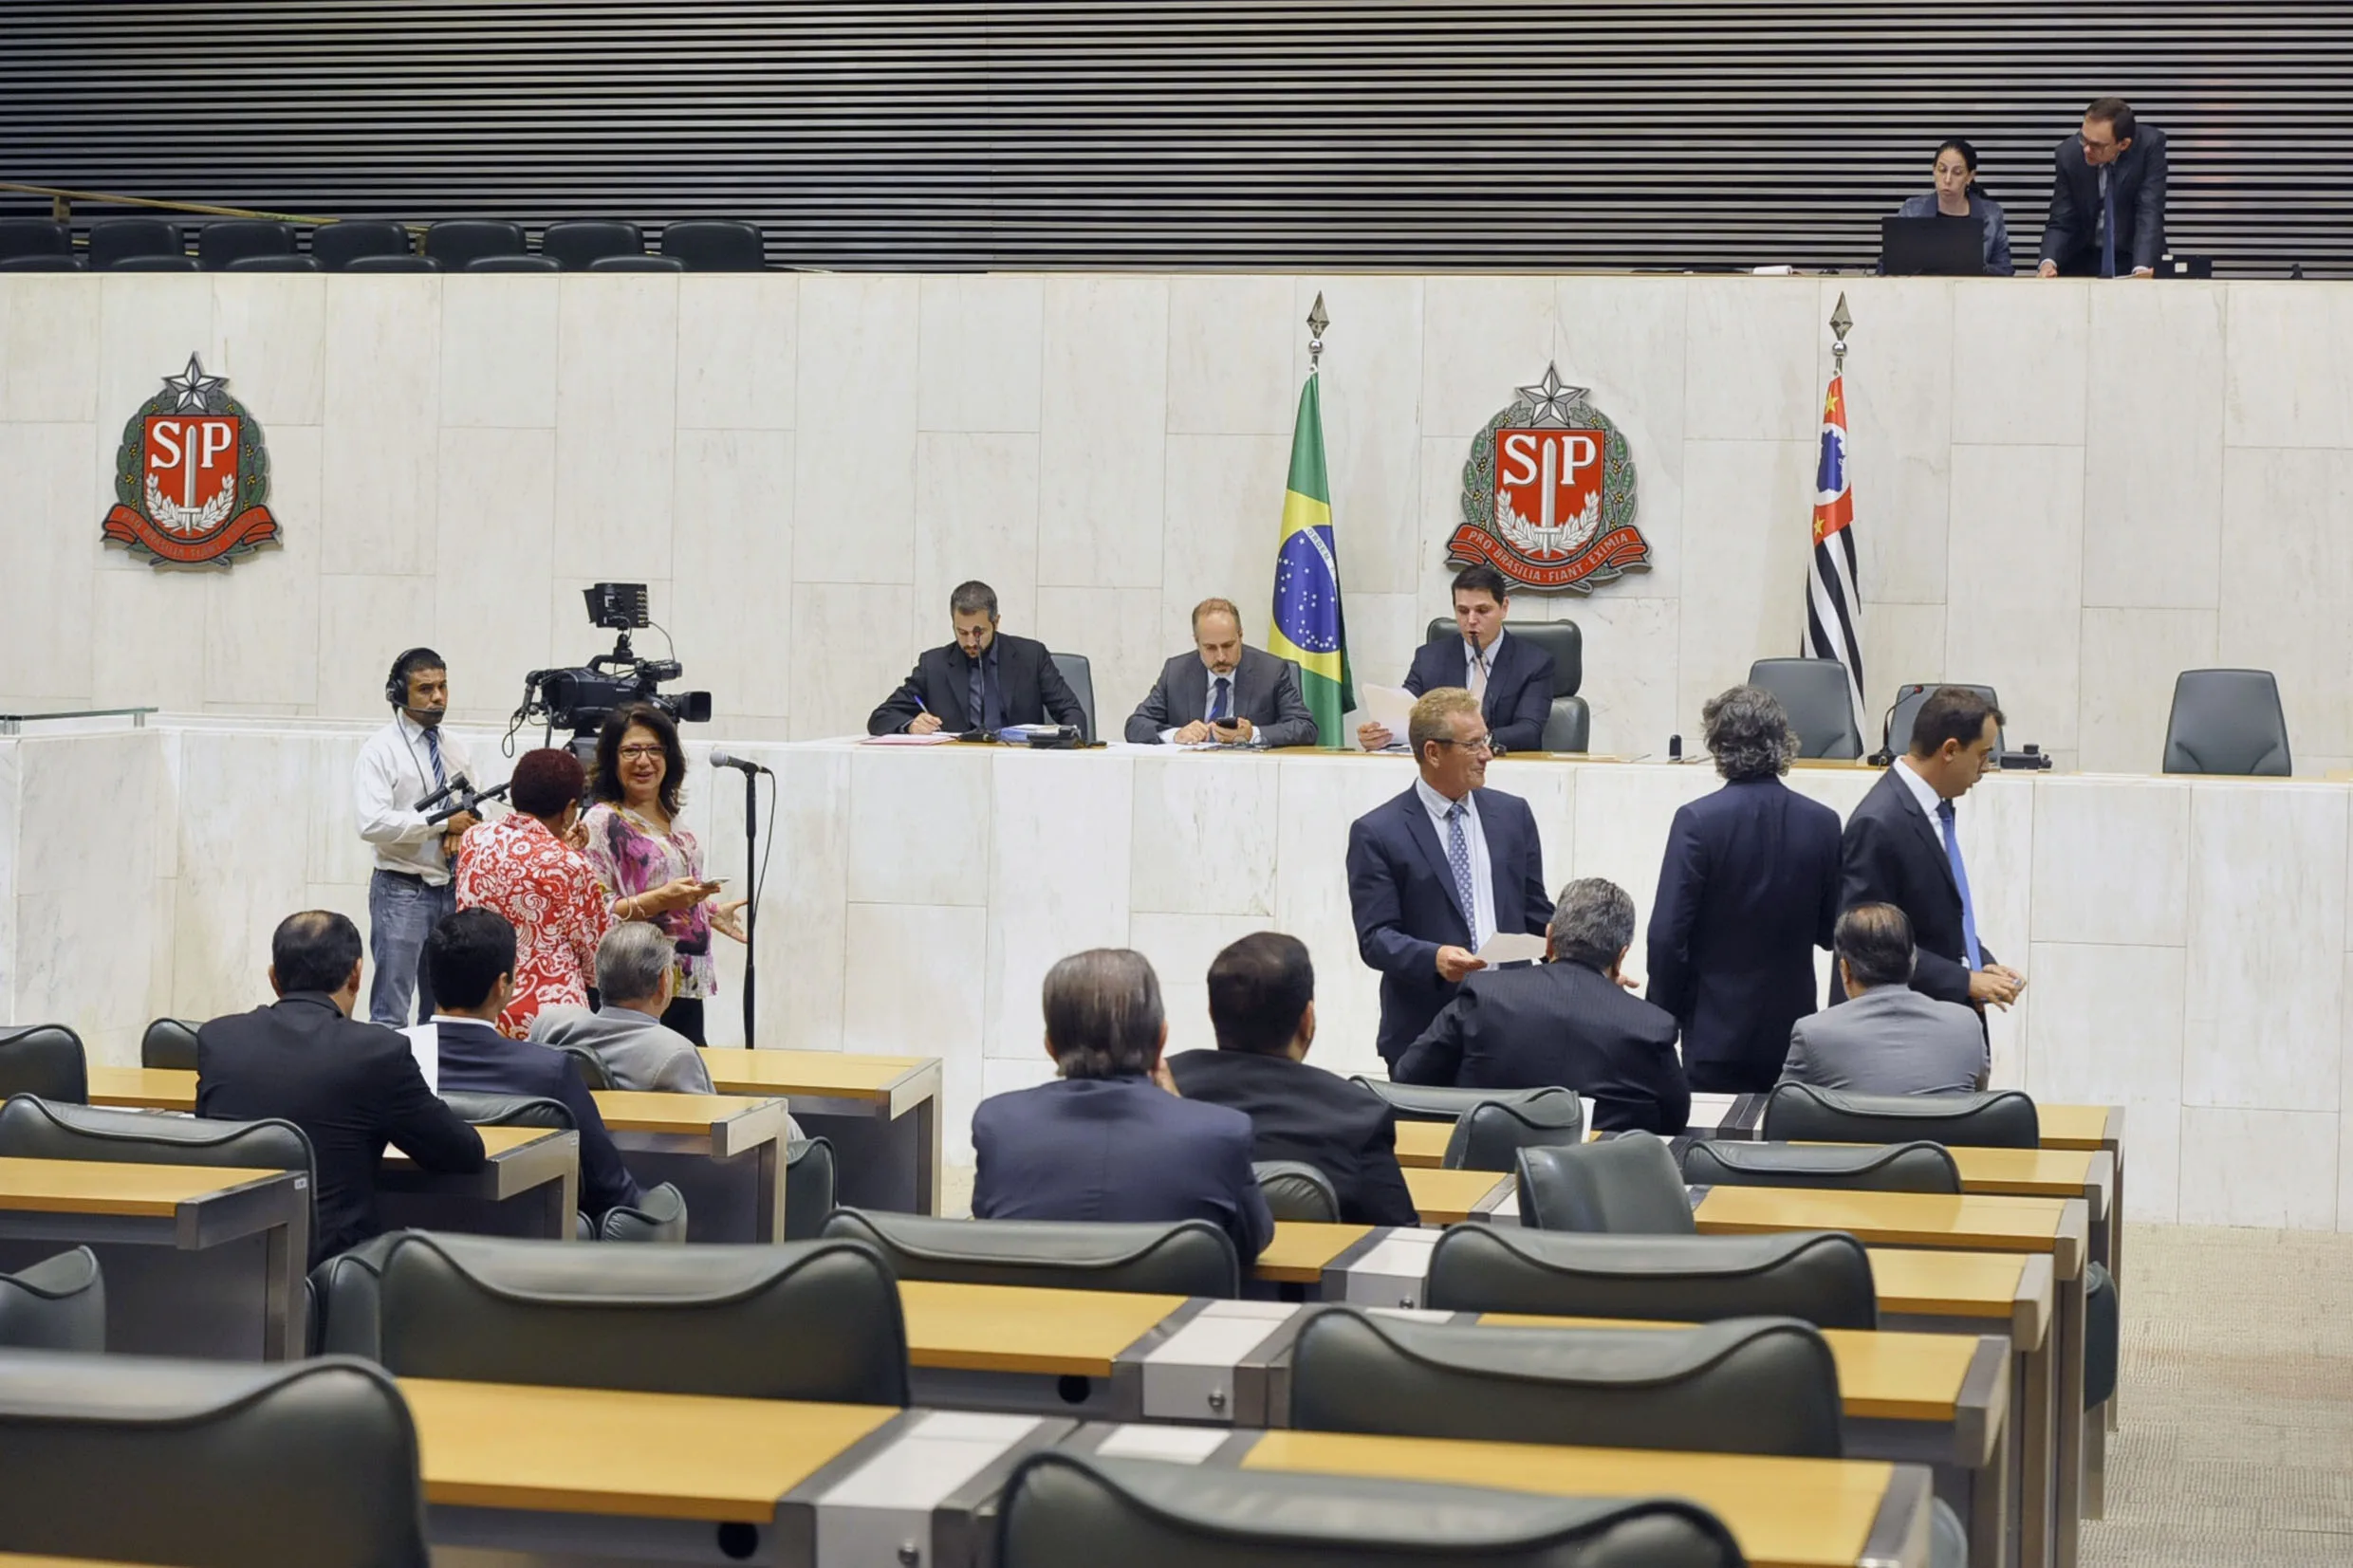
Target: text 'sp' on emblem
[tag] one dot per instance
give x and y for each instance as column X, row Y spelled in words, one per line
column 1547, row 495
column 191, row 476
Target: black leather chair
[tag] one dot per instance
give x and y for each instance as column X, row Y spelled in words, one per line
column 1568, row 727
column 114, row 241
column 1741, row 1385
column 170, row 1042
column 810, row 1177
column 2103, row 1327
column 509, row 1110
column 1813, row 691
column 1296, row 1190
column 1064, row 1509
column 658, row 1216
column 155, row 264
column 574, row 243
column 32, row 1128
column 1995, row 1118
column 795, row 1321
column 1889, row 1167
column 589, row 1065
column 227, row 240
column 337, row 244
column 44, row 1060
column 510, row 263
column 715, row 245
column 1078, row 673
column 34, row 237
column 1625, row 1185
column 67, row 263
column 636, row 263
column 208, row 1463
column 2227, row 721
column 456, row 242
column 1424, row 1102
column 1895, row 738
column 346, row 1294
column 1490, row 1134
column 273, row 264
column 392, row 263
column 1186, row 1258
column 58, row 1304
column 1821, row 1277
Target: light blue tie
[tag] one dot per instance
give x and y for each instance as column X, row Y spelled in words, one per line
column 432, row 749
column 1217, row 704
column 1960, row 879
column 1458, row 855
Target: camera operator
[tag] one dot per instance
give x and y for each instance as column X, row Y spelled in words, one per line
column 411, row 891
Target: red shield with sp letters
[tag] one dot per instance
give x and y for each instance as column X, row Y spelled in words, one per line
column 1551, row 479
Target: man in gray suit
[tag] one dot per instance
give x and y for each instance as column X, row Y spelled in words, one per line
column 1224, row 690
column 1887, row 1039
column 637, row 967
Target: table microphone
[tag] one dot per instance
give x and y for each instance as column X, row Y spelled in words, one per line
column 720, row 759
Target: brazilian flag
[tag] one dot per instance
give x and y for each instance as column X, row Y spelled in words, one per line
column 1308, row 627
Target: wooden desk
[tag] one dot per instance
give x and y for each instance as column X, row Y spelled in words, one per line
column 144, row 1088
column 606, row 1474
column 1420, row 1145
column 1450, row 1197
column 199, row 1259
column 724, row 1151
column 1786, row 1513
column 529, row 1185
column 880, row 1114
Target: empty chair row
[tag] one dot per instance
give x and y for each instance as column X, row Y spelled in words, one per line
column 474, row 245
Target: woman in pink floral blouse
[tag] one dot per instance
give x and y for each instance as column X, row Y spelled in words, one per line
column 528, row 867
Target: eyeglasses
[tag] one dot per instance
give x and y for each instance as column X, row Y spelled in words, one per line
column 640, row 750
column 1485, row 742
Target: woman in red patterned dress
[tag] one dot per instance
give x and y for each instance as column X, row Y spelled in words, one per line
column 528, row 866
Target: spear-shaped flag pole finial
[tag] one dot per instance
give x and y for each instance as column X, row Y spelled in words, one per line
column 1317, row 321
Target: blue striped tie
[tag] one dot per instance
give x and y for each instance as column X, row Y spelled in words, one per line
column 1458, row 855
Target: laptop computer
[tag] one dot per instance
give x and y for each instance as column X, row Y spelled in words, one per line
column 1935, row 248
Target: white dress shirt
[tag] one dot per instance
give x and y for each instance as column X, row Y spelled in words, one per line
column 1923, row 792
column 1482, row 870
column 393, row 772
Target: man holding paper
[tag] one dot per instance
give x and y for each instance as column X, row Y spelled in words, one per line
column 1436, row 874
column 1511, row 676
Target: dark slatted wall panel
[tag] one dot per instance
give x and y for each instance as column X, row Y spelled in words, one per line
column 1084, row 135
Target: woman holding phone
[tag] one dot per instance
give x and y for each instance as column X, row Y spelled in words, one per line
column 651, row 868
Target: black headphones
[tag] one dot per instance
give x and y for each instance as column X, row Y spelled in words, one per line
column 396, row 683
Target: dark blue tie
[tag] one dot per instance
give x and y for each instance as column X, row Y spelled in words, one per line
column 2107, row 241
column 1960, row 879
column 432, row 749
column 1217, row 704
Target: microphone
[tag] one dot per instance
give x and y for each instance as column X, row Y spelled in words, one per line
column 720, row 759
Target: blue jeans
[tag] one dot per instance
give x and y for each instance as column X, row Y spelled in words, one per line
column 402, row 910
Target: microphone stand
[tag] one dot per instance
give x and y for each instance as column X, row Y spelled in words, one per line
column 751, row 908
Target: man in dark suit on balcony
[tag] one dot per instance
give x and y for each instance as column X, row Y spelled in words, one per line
column 2108, row 198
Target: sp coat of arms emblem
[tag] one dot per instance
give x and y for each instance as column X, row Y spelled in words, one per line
column 1547, row 495
column 191, row 476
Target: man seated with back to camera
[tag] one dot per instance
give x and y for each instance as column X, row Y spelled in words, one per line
column 1262, row 1005
column 1110, row 1139
column 636, row 978
column 351, row 1086
column 1571, row 1020
column 1887, row 1039
column 473, row 958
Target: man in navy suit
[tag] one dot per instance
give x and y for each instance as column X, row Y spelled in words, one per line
column 1439, row 870
column 471, row 955
column 1902, row 846
column 1511, row 678
column 1224, row 690
column 1747, row 892
column 1111, row 1139
column 985, row 680
column 2108, row 198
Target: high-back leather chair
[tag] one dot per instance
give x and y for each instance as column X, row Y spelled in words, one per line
column 1078, row 673
column 658, row 1216
column 2227, row 721
column 636, row 263
column 456, row 242
column 226, row 240
column 810, row 1174
column 32, row 1128
column 1431, row 1103
column 169, row 1043
column 114, row 241
column 1896, row 738
column 1296, row 1190
column 58, row 1304
column 793, row 1320
column 41, row 262
column 715, row 245
column 34, row 237
column 590, row 1066
column 1813, row 692
column 573, row 245
column 1742, row 1385
column 1490, row 1134
column 1185, row 1258
column 1995, row 1118
column 275, row 264
column 394, row 264
column 1821, row 1277
column 337, row 244
column 1568, row 724
column 208, row 1463
column 487, row 1110
column 511, row 264
column 1629, row 1186
column 1064, row 1509
column 1873, row 1168
column 44, row 1060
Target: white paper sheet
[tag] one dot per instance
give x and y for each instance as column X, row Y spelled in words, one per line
column 425, row 1046
column 1514, row 947
column 1390, row 707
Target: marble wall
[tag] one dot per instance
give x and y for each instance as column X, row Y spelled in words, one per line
column 2186, row 943
column 2066, row 490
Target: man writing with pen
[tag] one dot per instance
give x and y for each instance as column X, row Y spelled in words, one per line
column 985, row 680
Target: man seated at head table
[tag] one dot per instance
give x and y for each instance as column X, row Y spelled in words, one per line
column 351, row 1086
column 1111, row 1139
column 1572, row 1021
column 1262, row 1005
column 1511, row 676
column 1887, row 1039
column 985, row 680
column 471, row 955
column 636, row 977
column 1224, row 690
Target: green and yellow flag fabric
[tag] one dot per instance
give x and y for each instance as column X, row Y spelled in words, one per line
column 1308, row 627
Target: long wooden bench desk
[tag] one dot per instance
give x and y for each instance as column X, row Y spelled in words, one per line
column 880, row 1114
column 198, row 1259
column 565, row 1475
column 1786, row 1513
column 725, row 1152
column 529, row 1185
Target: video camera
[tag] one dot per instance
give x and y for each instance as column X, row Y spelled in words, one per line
column 580, row 699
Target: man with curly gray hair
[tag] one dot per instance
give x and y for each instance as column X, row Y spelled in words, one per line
column 1748, row 890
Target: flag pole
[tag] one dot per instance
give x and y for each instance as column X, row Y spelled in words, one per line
column 1840, row 322
column 1317, row 321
